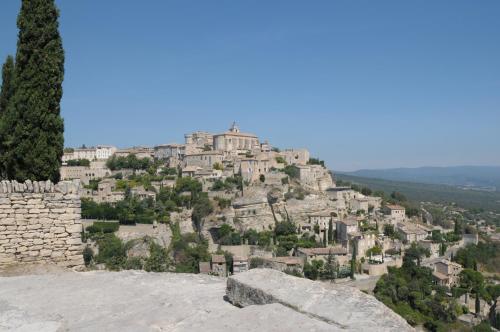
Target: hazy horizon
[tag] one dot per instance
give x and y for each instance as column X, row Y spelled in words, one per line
column 362, row 85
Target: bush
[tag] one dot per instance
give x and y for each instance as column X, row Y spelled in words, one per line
column 88, row 255
column 256, row 262
column 158, row 260
column 111, row 252
column 102, row 227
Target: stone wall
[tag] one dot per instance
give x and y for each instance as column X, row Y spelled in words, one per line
column 40, row 222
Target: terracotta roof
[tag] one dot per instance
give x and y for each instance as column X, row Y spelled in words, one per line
column 218, row 259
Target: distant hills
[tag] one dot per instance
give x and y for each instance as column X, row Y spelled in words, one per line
column 438, row 193
column 483, row 178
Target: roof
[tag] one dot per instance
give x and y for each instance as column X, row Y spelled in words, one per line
column 288, row 260
column 239, row 259
column 450, row 263
column 337, row 250
column 440, row 276
column 218, row 259
column 191, row 168
column 394, row 207
column 349, row 221
column 230, row 133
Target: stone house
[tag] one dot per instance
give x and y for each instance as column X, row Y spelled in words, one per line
column 359, row 204
column 240, row 264
column 219, row 265
column 204, row 159
column 100, row 152
column 139, row 151
column 315, row 177
column 295, row 156
column 347, row 227
column 252, row 168
column 411, row 233
column 198, row 141
column 395, row 212
column 190, row 171
column 284, row 263
column 173, row 150
column 142, row 193
column 446, row 273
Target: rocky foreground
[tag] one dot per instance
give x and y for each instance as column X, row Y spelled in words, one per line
column 140, row 301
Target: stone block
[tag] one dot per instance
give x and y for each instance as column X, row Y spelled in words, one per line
column 340, row 306
column 76, row 228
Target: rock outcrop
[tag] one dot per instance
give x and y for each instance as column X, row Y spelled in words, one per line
column 341, row 307
column 137, row 301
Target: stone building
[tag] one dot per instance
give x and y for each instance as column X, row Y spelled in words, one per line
column 252, row 168
column 347, row 227
column 198, row 141
column 219, row 265
column 395, row 212
column 445, row 272
column 105, row 193
column 359, row 204
column 165, row 151
column 204, row 159
column 315, row 177
column 240, row 264
column 234, row 141
column 139, row 151
column 83, row 173
column 100, row 152
column 142, row 193
column 295, row 156
column 411, row 233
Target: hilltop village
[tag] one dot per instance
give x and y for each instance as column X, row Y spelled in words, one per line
column 260, row 204
column 222, row 204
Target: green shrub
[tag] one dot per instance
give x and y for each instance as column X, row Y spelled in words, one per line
column 88, row 255
column 103, row 227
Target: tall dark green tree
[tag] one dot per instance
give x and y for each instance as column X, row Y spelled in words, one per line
column 6, row 92
column 35, row 140
column 7, row 89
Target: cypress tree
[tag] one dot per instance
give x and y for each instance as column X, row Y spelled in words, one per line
column 7, row 88
column 35, row 141
column 6, row 92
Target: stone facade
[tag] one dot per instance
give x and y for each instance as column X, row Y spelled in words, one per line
column 40, row 222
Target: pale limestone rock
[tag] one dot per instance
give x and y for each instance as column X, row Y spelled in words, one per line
column 353, row 310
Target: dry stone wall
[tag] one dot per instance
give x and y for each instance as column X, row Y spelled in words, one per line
column 40, row 222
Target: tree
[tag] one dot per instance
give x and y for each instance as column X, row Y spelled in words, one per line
column 6, row 92
column 7, row 89
column 262, row 178
column 330, row 231
column 415, row 252
column 473, row 281
column 353, row 259
column 35, row 142
column 202, row 208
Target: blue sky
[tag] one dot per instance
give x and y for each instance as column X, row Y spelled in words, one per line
column 362, row 84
